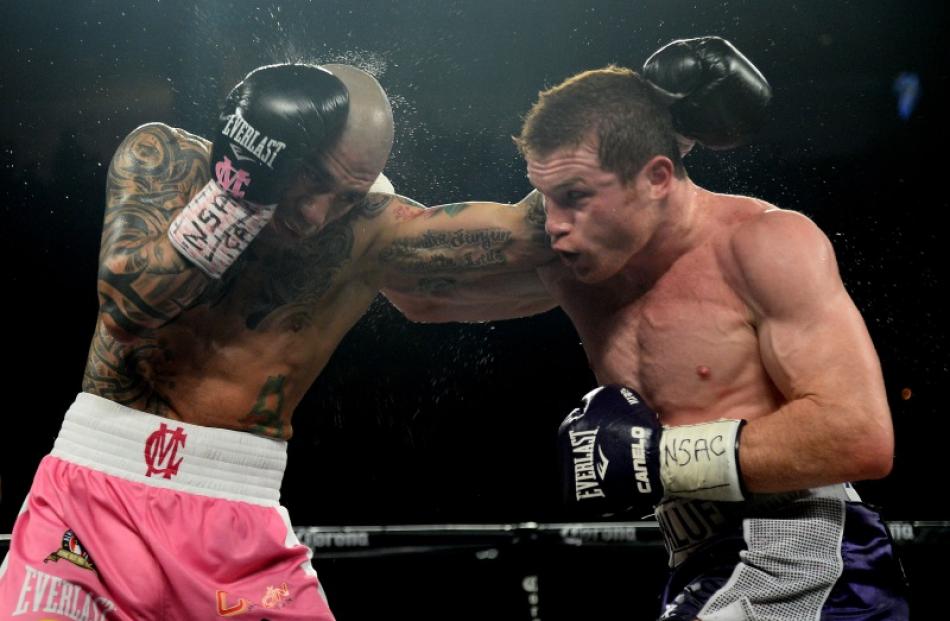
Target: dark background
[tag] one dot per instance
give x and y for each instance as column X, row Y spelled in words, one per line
column 455, row 423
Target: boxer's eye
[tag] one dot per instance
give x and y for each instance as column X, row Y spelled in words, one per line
column 572, row 197
column 317, row 180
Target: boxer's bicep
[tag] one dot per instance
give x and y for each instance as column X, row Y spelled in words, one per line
column 820, row 350
column 812, row 339
column 814, row 344
column 821, row 358
column 143, row 281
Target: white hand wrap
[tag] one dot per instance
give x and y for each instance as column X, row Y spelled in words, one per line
column 382, row 185
column 701, row 461
column 214, row 229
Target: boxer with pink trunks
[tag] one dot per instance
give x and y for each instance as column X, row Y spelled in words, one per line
column 229, row 272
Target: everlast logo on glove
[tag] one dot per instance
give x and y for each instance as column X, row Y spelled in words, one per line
column 614, row 426
column 241, row 132
column 586, row 475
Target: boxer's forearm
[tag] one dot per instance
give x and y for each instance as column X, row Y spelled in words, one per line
column 473, row 261
column 491, row 298
column 468, row 238
column 809, row 443
column 148, row 286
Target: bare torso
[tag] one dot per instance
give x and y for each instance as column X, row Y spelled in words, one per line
column 245, row 361
column 240, row 352
column 687, row 342
column 243, row 357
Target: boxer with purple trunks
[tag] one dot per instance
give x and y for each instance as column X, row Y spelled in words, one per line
column 758, row 390
column 729, row 317
column 229, row 272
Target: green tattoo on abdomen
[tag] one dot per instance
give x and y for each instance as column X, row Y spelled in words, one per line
column 265, row 415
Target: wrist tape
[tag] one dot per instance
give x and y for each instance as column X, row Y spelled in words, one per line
column 702, row 461
column 214, row 229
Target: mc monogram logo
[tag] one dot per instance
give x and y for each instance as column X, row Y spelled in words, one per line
column 231, row 180
column 161, row 449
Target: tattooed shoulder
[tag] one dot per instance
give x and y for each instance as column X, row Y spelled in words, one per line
column 373, row 205
column 402, row 208
column 158, row 158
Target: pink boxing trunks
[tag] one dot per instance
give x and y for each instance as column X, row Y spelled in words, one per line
column 135, row 517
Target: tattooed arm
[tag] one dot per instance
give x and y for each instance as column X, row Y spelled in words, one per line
column 464, row 261
column 144, row 283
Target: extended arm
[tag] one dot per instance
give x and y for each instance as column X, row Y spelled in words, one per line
column 465, row 261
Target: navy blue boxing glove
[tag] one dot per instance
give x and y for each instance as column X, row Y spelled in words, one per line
column 716, row 95
column 617, row 458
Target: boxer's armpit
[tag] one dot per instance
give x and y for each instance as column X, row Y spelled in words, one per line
column 143, row 281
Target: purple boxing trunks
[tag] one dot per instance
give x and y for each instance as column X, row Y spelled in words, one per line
column 816, row 555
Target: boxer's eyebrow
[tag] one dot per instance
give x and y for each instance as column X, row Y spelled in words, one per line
column 569, row 182
column 562, row 185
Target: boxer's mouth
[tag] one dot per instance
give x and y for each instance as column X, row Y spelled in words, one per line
column 568, row 257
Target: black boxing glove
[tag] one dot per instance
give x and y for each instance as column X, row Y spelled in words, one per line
column 273, row 122
column 717, row 97
column 616, row 457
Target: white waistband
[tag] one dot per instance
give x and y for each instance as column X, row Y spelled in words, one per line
column 119, row 441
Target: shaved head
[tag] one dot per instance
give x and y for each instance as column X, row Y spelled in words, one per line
column 369, row 126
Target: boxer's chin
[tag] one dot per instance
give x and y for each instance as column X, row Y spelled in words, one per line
column 588, row 269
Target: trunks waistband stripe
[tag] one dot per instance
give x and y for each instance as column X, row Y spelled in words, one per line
column 117, row 440
column 687, row 523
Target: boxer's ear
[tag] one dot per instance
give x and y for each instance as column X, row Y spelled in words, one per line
column 659, row 175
